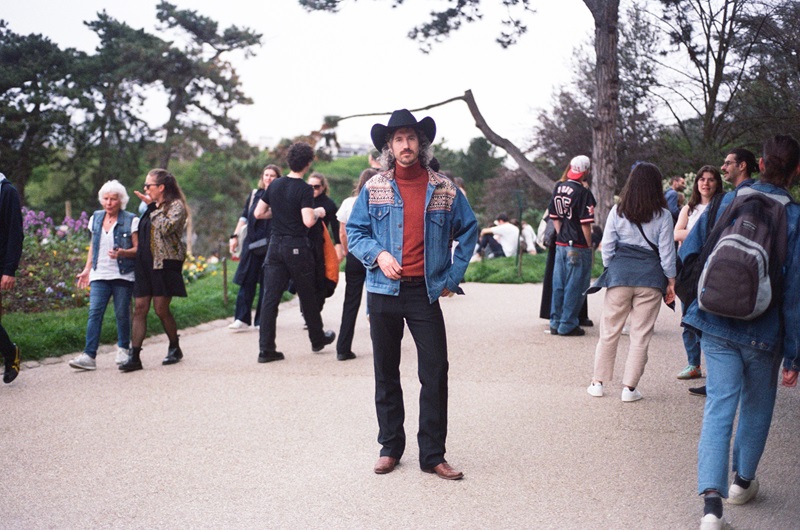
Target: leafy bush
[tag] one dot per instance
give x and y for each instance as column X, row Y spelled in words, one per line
column 504, row 270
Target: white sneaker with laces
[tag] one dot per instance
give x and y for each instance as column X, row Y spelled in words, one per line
column 712, row 522
column 739, row 495
column 238, row 325
column 122, row 355
column 83, row 362
column 595, row 389
column 629, row 395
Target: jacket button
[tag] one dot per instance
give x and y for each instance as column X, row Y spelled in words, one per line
column 752, row 343
column 400, row 225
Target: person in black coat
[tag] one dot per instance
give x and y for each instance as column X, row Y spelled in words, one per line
column 11, row 237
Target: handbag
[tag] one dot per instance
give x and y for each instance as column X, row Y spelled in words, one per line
column 241, row 234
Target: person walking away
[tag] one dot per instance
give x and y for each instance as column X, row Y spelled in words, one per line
column 11, row 237
column 743, row 356
column 572, row 211
column 253, row 250
column 400, row 228
column 354, row 275
column 158, row 271
column 109, row 272
column 289, row 255
column 639, row 255
column 707, row 185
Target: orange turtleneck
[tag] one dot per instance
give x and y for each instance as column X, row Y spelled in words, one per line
column 412, row 182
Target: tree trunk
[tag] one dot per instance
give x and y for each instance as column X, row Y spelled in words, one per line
column 604, row 127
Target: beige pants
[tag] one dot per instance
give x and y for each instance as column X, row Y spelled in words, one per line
column 643, row 305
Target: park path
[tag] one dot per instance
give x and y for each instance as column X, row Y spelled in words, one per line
column 219, row 441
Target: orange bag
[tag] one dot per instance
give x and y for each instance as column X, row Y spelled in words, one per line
column 331, row 261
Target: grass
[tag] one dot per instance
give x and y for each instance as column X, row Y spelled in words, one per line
column 55, row 333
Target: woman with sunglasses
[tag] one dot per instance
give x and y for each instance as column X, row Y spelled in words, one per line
column 325, row 287
column 159, row 262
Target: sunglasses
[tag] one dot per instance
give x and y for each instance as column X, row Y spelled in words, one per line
column 147, row 186
column 317, row 186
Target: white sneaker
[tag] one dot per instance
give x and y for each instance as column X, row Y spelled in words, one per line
column 631, row 395
column 123, row 355
column 626, row 330
column 739, row 495
column 238, row 325
column 712, row 522
column 595, row 389
column 83, row 362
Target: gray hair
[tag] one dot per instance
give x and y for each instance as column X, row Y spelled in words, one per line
column 425, row 151
column 114, row 187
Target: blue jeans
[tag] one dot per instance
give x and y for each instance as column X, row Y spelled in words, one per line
column 739, row 377
column 101, row 291
column 691, row 342
column 571, row 275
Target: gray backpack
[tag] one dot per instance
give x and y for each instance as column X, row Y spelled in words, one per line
column 746, row 251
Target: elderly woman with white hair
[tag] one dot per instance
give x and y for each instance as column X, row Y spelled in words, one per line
column 109, row 272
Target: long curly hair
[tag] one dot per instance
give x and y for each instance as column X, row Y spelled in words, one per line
column 425, row 151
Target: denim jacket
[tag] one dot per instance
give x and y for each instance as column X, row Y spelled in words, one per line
column 778, row 329
column 376, row 224
column 122, row 238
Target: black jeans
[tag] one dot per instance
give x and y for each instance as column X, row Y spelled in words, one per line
column 6, row 346
column 387, row 315
column 253, row 278
column 354, row 276
column 289, row 258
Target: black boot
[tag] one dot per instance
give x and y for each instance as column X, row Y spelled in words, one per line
column 174, row 354
column 134, row 362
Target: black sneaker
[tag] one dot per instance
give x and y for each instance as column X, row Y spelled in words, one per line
column 345, row 356
column 269, row 356
column 12, row 366
column 330, row 336
column 575, row 332
column 698, row 391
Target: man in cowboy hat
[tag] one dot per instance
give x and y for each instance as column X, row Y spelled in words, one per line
column 401, row 228
column 572, row 211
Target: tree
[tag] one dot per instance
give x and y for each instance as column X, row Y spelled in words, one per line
column 606, row 16
column 36, row 94
column 198, row 82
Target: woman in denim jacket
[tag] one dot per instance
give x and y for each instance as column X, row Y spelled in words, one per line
column 743, row 356
column 109, row 272
column 159, row 262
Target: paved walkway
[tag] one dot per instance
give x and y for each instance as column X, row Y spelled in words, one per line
column 219, row 441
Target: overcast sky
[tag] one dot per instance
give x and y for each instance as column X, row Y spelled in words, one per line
column 359, row 60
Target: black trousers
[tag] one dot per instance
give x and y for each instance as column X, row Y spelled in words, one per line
column 354, row 276
column 488, row 241
column 289, row 258
column 253, row 278
column 6, row 346
column 387, row 315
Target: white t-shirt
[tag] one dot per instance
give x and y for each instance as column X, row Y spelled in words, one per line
column 695, row 215
column 529, row 238
column 343, row 214
column 107, row 268
column 508, row 236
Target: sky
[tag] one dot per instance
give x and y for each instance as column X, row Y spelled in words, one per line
column 359, row 60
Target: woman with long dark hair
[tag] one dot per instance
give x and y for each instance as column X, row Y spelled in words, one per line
column 159, row 262
column 253, row 250
column 639, row 256
column 707, row 185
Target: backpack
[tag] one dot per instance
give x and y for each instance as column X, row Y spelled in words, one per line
column 744, row 255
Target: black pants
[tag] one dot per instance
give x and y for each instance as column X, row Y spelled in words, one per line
column 253, row 278
column 354, row 276
column 489, row 245
column 387, row 315
column 6, row 346
column 289, row 258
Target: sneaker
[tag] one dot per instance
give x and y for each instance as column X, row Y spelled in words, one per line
column 122, row 355
column 12, row 367
column 83, row 362
column 552, row 331
column 712, row 522
column 739, row 495
column 574, row 332
column 629, row 395
column 626, row 330
column 698, row 391
column 691, row 372
column 595, row 389
column 238, row 325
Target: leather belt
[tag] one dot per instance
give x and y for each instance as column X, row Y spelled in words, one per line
column 412, row 279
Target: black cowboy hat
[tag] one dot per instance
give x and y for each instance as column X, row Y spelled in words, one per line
column 402, row 118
